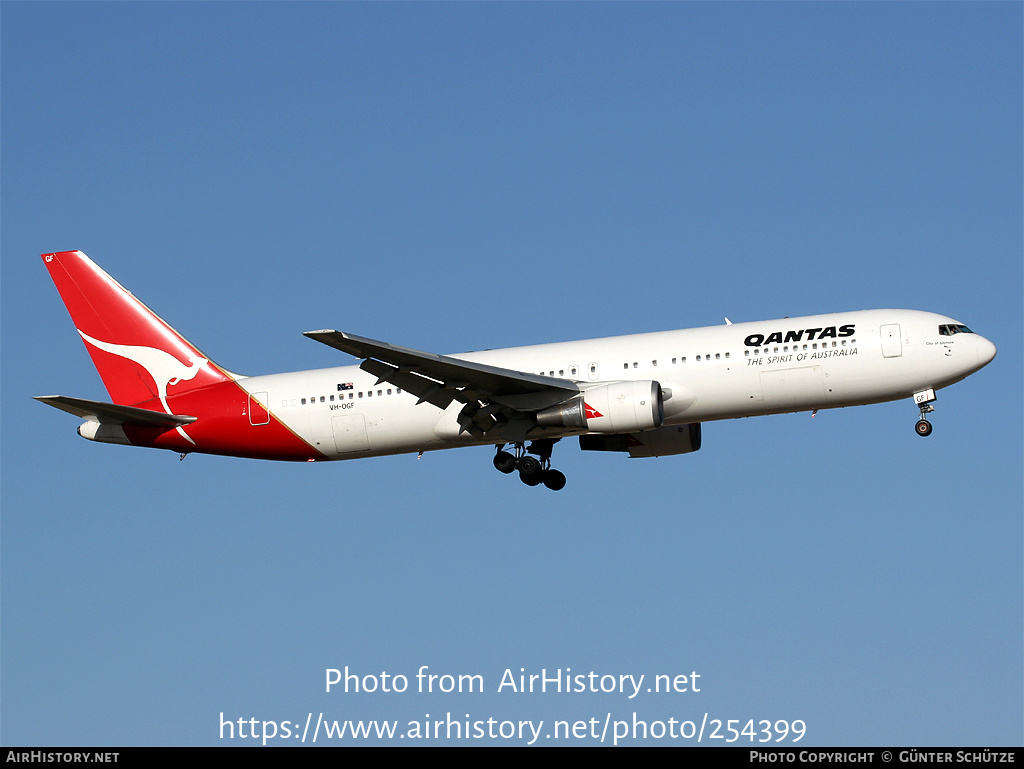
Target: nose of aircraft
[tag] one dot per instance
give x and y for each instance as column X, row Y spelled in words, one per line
column 986, row 351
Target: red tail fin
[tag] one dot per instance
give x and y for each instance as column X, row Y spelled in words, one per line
column 137, row 354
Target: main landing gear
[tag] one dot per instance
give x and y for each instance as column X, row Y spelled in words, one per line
column 532, row 471
column 924, row 400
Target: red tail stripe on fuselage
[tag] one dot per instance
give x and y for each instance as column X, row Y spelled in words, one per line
column 224, row 427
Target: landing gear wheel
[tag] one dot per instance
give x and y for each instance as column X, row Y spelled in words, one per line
column 554, row 480
column 923, row 428
column 504, row 462
column 530, row 471
column 533, row 463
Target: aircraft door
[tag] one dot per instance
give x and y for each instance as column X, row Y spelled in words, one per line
column 892, row 347
column 350, row 433
column 258, row 413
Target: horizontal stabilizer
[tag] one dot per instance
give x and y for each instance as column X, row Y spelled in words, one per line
column 112, row 414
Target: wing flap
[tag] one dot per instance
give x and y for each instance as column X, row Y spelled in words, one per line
column 427, row 390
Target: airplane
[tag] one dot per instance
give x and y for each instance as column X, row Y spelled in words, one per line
column 643, row 394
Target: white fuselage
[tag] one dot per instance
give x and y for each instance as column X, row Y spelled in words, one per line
column 712, row 373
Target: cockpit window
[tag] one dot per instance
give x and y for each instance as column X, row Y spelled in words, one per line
column 953, row 328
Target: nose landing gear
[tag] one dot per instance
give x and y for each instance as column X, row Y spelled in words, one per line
column 532, row 471
column 924, row 400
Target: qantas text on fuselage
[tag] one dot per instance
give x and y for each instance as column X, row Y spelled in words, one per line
column 780, row 337
column 644, row 394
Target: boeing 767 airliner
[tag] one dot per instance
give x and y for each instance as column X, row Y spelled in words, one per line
column 645, row 394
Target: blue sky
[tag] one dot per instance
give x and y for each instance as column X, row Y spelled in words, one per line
column 459, row 176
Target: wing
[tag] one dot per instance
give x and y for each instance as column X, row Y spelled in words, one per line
column 492, row 395
column 112, row 414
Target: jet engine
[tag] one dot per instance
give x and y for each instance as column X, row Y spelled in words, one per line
column 619, row 407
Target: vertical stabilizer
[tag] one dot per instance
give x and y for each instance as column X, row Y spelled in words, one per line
column 138, row 355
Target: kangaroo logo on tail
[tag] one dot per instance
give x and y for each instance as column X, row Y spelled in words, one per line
column 162, row 366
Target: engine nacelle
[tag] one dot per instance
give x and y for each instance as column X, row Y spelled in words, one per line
column 619, row 407
column 676, row 439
